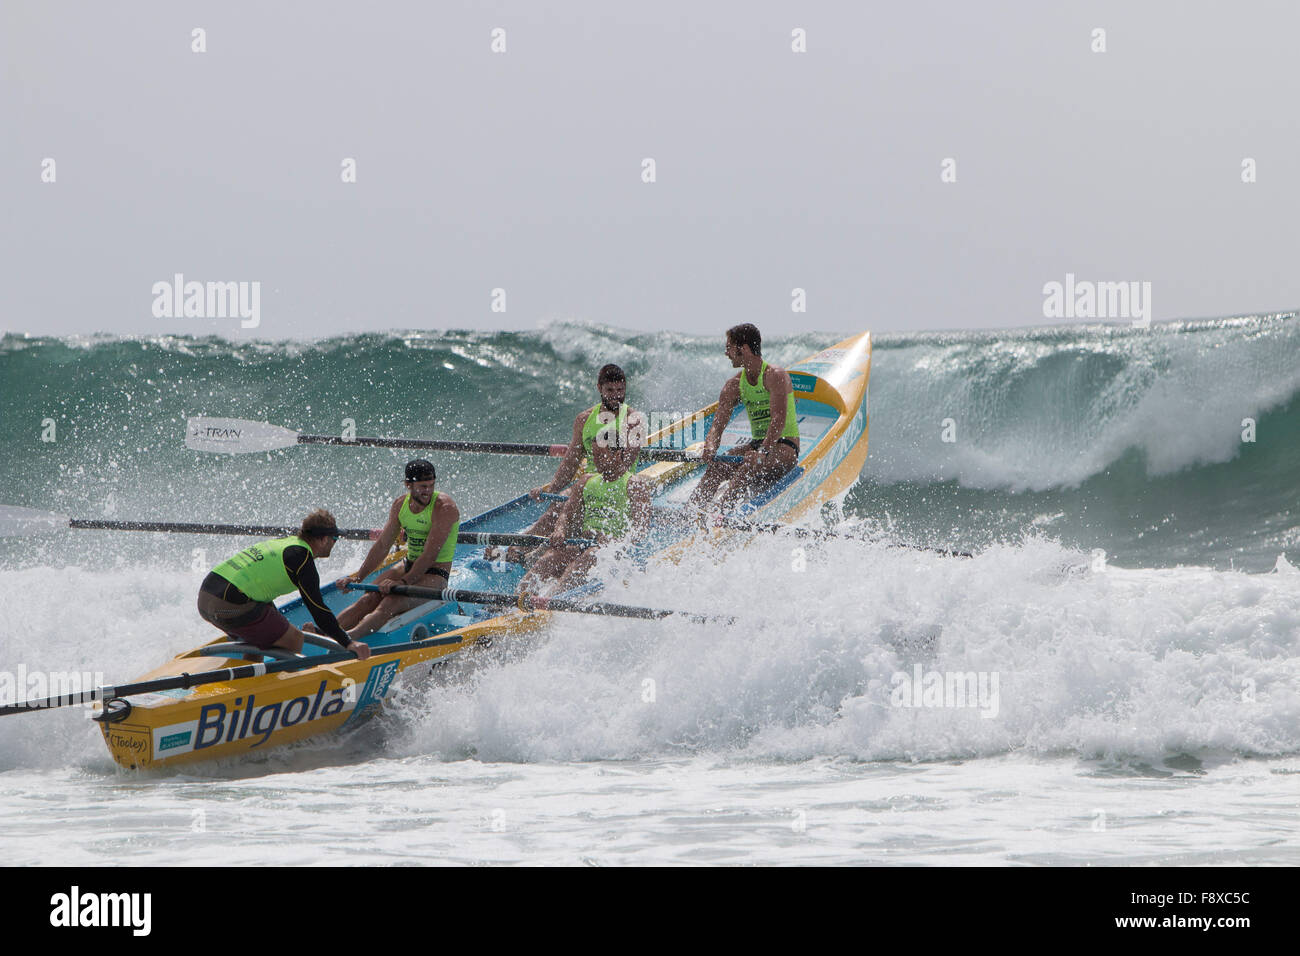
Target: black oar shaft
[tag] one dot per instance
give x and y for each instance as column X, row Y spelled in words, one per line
column 433, row 444
column 495, row 447
column 181, row 527
column 528, row 603
column 210, row 677
column 500, row 538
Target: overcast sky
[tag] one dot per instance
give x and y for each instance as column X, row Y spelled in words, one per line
column 523, row 170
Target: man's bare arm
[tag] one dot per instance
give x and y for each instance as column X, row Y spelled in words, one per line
column 383, row 544
column 777, row 382
column 572, row 458
column 727, row 400
column 567, row 520
column 638, row 493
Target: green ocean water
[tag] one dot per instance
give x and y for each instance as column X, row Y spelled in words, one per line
column 1124, row 440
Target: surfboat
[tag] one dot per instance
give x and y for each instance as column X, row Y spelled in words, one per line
column 255, row 713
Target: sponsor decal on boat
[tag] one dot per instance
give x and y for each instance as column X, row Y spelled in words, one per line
column 129, row 742
column 221, row 724
column 839, row 451
column 831, row 356
column 377, row 683
column 172, row 741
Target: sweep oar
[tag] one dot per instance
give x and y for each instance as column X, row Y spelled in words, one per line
column 237, row 436
column 527, row 602
column 207, row 677
column 24, row 521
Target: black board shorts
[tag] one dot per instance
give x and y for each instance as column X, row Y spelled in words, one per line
column 226, row 607
column 438, row 571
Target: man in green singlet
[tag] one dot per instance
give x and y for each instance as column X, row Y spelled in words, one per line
column 611, row 422
column 237, row 594
column 431, row 521
column 769, row 401
column 609, row 504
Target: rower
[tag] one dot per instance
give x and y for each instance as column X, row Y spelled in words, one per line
column 769, row 402
column 609, row 504
column 236, row 595
column 608, row 422
column 431, row 521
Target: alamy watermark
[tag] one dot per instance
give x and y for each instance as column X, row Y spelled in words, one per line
column 1084, row 299
column 179, row 299
column 954, row 689
column 68, row 687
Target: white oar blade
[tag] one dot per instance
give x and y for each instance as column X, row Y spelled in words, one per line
column 236, row 436
column 15, row 522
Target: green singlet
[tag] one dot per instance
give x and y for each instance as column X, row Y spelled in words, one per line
column 605, row 505
column 417, row 528
column 758, row 402
column 259, row 570
column 592, row 428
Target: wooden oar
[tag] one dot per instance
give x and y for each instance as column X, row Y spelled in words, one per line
column 237, row 436
column 529, row 603
column 25, row 521
column 207, row 677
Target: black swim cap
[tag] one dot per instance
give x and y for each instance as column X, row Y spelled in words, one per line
column 420, row 470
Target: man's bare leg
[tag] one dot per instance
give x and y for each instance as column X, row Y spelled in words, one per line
column 391, row 605
column 577, row 570
column 758, row 471
column 550, row 565
column 543, row 526
column 714, row 475
column 353, row 614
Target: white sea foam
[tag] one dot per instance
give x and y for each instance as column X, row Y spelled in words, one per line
column 1101, row 664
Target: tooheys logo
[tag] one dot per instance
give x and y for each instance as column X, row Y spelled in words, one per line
column 219, row 724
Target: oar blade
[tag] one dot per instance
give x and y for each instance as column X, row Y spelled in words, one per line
column 17, row 522
column 236, row 436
